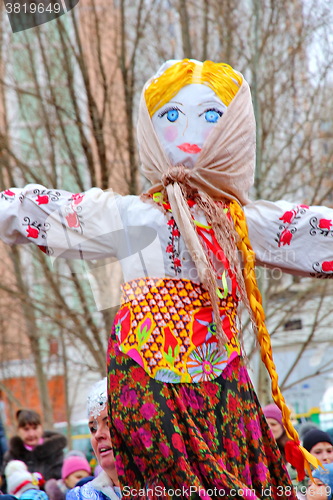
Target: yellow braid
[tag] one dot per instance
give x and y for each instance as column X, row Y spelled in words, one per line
column 263, row 336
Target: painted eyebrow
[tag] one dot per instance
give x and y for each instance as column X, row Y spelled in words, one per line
column 206, row 103
column 173, row 102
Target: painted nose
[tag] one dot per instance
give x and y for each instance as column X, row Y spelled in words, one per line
column 184, row 131
column 191, row 134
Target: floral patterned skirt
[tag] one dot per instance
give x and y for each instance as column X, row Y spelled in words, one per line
column 192, row 440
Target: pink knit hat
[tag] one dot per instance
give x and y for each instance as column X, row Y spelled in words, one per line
column 273, row 411
column 73, row 464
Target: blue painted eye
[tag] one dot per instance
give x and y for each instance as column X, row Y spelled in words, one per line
column 172, row 115
column 212, row 115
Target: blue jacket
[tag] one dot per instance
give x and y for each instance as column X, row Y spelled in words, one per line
column 325, row 474
column 100, row 488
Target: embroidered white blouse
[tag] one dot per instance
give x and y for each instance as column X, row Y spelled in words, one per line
column 96, row 224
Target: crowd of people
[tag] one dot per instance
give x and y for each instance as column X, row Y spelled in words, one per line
column 37, row 467
column 317, row 442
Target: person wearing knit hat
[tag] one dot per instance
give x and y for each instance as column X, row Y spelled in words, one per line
column 75, row 468
column 21, row 483
column 325, row 477
column 273, row 416
column 304, row 428
column 319, row 444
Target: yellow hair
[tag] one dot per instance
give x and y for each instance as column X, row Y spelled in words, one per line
column 264, row 340
column 220, row 77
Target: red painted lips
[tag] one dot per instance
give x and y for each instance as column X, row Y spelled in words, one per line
column 189, row 148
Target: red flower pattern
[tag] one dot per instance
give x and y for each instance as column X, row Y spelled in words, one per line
column 231, row 447
column 123, row 323
column 113, row 382
column 327, row 266
column 211, row 389
column 32, row 232
column 325, row 224
column 232, row 403
column 201, row 442
column 77, row 198
column 288, row 216
column 72, row 220
column 285, row 237
column 177, row 442
column 42, row 200
column 170, row 341
column 136, row 374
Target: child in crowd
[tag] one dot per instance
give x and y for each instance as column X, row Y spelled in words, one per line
column 324, row 480
column 319, row 444
column 74, row 469
column 23, row 484
column 39, row 449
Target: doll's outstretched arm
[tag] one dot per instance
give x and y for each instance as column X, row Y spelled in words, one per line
column 63, row 224
column 295, row 238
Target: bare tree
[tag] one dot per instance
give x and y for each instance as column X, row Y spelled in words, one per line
column 69, row 100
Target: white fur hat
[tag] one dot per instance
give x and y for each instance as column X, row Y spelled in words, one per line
column 18, row 478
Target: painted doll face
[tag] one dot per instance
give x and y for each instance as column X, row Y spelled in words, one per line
column 184, row 123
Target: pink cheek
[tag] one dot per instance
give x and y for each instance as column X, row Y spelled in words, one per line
column 170, row 133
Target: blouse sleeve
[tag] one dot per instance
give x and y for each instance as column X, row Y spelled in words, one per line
column 295, row 238
column 62, row 224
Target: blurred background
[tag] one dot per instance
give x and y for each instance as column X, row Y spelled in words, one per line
column 69, row 94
